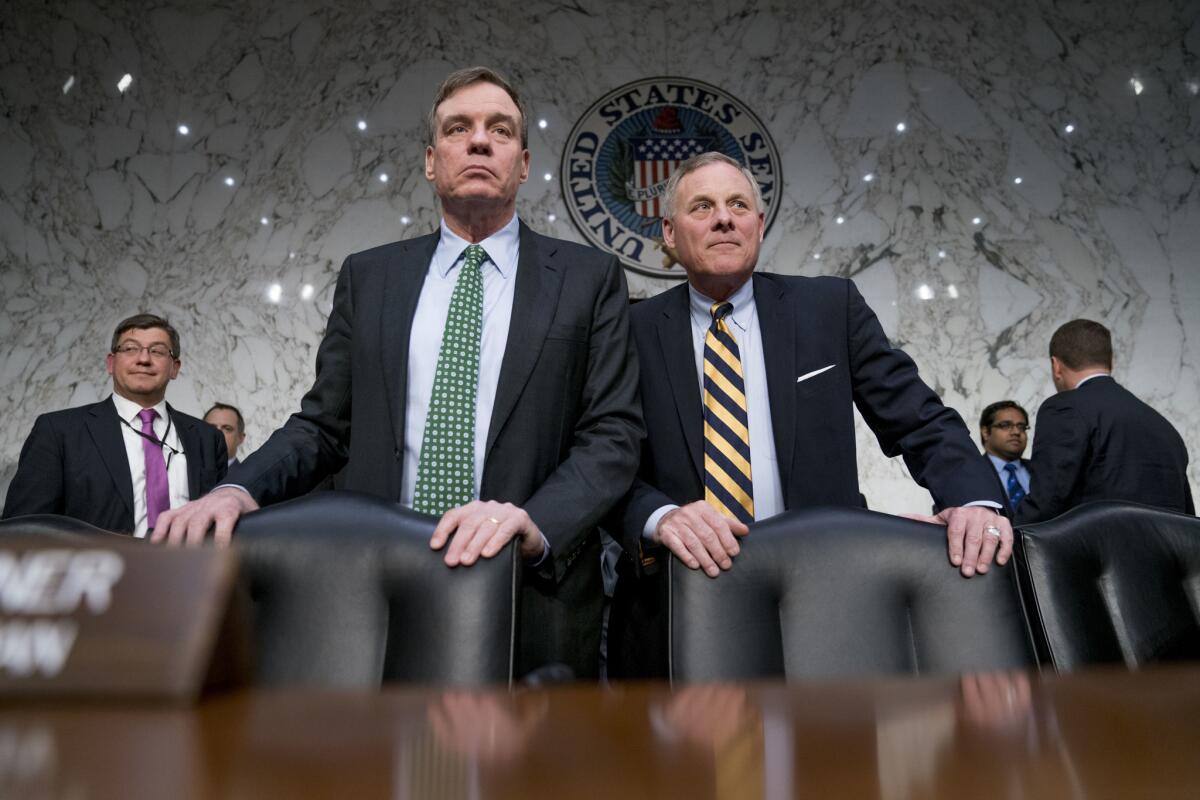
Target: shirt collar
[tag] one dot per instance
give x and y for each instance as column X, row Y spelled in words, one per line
column 743, row 306
column 501, row 247
column 128, row 410
column 1000, row 463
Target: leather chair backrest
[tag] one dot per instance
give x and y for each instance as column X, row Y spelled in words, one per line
column 345, row 591
column 835, row 593
column 52, row 525
column 1112, row 582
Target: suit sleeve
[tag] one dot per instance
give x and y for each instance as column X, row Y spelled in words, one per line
column 603, row 456
column 909, row 419
column 1060, row 451
column 312, row 444
column 37, row 488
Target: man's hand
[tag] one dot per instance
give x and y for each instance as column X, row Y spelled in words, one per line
column 482, row 528
column 188, row 524
column 975, row 535
column 700, row 537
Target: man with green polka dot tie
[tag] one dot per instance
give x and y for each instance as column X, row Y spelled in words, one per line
column 446, row 477
column 483, row 374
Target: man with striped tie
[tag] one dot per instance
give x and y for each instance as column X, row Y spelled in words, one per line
column 748, row 383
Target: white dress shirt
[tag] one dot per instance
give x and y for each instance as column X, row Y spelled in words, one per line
column 764, row 463
column 173, row 455
column 425, row 342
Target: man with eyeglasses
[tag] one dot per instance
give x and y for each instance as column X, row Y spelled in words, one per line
column 119, row 463
column 1004, row 434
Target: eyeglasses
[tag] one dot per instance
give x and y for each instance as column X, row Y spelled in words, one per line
column 1007, row 426
column 130, row 350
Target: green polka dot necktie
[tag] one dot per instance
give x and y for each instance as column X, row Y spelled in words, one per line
column 446, row 472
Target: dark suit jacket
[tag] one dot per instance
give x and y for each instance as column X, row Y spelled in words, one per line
column 564, row 432
column 1099, row 442
column 806, row 324
column 74, row 464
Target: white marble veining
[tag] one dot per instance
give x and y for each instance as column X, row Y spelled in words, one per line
column 235, row 230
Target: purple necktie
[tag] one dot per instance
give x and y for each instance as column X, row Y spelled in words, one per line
column 158, row 499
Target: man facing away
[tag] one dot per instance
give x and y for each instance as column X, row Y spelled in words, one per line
column 1096, row 440
column 487, row 376
column 1004, row 433
column 748, row 381
column 120, row 463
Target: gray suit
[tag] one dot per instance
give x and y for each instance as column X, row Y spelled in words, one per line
column 564, row 435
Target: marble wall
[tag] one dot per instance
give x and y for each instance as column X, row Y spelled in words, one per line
column 1047, row 169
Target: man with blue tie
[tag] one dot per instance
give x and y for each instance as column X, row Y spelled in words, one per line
column 1004, row 434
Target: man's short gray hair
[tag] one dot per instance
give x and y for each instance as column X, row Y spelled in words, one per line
column 464, row 78
column 703, row 160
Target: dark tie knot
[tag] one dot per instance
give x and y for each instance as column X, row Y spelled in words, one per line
column 720, row 311
column 1010, row 468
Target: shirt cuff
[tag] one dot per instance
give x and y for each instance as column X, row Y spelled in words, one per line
column 652, row 522
column 232, row 486
column 545, row 553
column 992, row 504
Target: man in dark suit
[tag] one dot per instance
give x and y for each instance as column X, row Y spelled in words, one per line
column 483, row 373
column 1095, row 440
column 1004, row 433
column 118, row 463
column 748, row 381
column 232, row 425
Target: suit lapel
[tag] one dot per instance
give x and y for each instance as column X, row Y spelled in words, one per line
column 402, row 289
column 104, row 426
column 534, row 299
column 679, row 355
column 777, row 322
column 189, row 438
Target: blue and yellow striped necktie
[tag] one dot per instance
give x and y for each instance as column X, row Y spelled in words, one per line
column 727, row 479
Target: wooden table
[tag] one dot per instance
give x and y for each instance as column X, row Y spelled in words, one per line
column 1100, row 734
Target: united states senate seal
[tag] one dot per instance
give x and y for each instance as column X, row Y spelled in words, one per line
column 622, row 151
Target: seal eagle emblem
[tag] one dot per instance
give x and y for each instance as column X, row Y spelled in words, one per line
column 622, row 151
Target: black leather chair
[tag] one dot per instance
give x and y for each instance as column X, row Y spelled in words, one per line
column 1112, row 583
column 63, row 528
column 345, row 591
column 838, row 593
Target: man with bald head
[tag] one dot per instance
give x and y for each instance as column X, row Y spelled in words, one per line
column 749, row 380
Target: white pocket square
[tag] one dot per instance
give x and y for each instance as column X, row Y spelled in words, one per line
column 814, row 373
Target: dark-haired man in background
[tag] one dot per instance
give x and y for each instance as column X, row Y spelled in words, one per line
column 119, row 463
column 232, row 425
column 1004, row 434
column 1095, row 440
